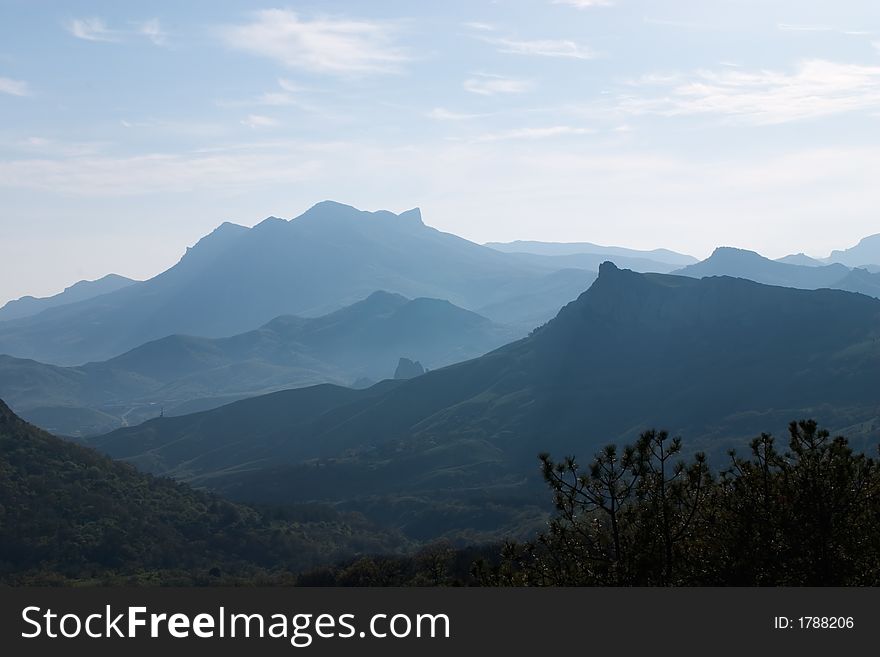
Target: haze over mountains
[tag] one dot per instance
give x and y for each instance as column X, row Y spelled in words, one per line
column 331, row 256
column 260, row 366
column 655, row 257
column 179, row 374
column 789, row 272
column 866, row 252
column 27, row 306
column 716, row 360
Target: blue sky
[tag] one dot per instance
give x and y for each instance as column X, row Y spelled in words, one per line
column 129, row 130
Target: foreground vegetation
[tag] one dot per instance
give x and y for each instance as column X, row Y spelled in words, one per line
column 641, row 516
column 71, row 516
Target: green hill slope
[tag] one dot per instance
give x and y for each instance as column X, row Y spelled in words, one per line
column 69, row 514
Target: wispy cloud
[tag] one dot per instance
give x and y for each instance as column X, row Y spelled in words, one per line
column 287, row 94
column 255, row 121
column 543, row 47
column 667, row 22
column 791, row 27
column 152, row 29
column 535, row 133
column 323, row 45
column 14, row 87
column 91, row 29
column 482, row 27
column 96, row 29
column 47, row 147
column 443, row 114
column 815, row 27
column 815, row 89
column 108, row 176
column 487, row 84
column 584, row 4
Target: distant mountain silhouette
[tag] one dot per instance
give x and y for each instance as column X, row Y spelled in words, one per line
column 801, row 259
column 726, row 261
column 27, row 306
column 591, row 261
column 525, row 305
column 237, row 278
column 361, row 341
column 861, row 281
column 866, row 252
column 408, row 369
column 611, row 253
column 715, row 359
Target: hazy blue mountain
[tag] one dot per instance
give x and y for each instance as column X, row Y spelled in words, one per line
column 591, row 261
column 361, row 341
column 801, row 259
column 586, row 248
column 408, row 369
column 715, row 359
column 526, row 305
column 726, row 261
column 861, row 281
column 27, row 306
column 237, row 278
column 866, row 252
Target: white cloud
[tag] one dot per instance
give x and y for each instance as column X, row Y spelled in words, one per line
column 486, row 84
column 106, row 176
column 288, row 94
column 584, row 4
column 152, row 29
column 44, row 146
column 686, row 25
column 815, row 89
column 543, row 47
column 275, row 99
column 790, row 27
column 14, row 87
column 96, row 29
column 323, row 45
column 91, row 29
column 480, row 27
column 443, row 114
column 535, row 133
column 258, row 121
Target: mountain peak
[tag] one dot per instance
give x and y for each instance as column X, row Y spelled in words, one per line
column 734, row 252
column 408, row 369
column 333, row 210
column 382, row 296
column 414, row 215
column 866, row 252
column 271, row 221
column 607, row 269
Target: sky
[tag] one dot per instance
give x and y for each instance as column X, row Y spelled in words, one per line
column 130, row 130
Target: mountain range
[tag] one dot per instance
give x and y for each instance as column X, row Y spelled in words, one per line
column 179, row 373
column 865, row 253
column 27, row 306
column 788, row 272
column 661, row 258
column 715, row 359
column 238, row 278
